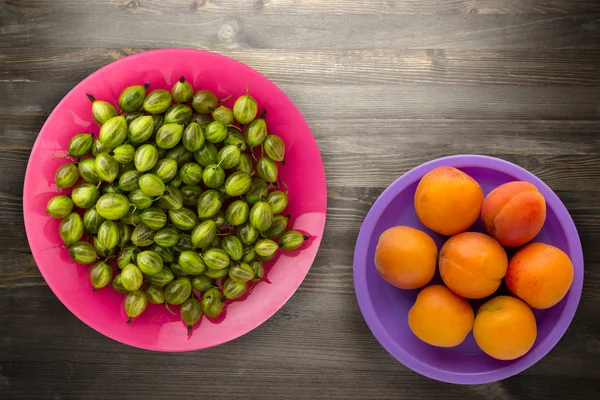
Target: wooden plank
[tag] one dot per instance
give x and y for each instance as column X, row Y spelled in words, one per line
column 348, row 205
column 403, row 136
column 313, row 7
column 424, row 101
column 409, row 7
column 332, row 269
column 347, row 208
column 356, row 67
column 340, row 136
column 289, row 353
column 560, row 152
column 392, row 147
column 561, row 172
column 239, row 31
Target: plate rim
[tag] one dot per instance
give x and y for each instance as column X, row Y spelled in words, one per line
column 360, row 264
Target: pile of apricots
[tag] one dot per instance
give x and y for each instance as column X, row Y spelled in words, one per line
column 473, row 265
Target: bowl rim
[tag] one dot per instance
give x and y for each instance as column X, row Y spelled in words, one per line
column 361, row 262
column 29, row 175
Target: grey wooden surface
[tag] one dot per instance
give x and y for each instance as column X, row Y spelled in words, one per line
column 385, row 85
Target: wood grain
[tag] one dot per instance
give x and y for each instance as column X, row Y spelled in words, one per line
column 356, row 67
column 235, row 31
column 385, row 85
column 312, row 7
column 379, row 101
column 307, row 363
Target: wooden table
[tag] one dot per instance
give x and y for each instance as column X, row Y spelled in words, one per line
column 383, row 82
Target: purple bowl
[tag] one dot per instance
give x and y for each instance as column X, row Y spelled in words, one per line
column 385, row 307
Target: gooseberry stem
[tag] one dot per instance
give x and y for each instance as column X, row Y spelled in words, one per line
column 167, row 307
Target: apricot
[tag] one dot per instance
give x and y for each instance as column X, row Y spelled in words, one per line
column 540, row 274
column 440, row 317
column 448, row 201
column 473, row 264
column 505, row 328
column 406, row 257
column 514, row 213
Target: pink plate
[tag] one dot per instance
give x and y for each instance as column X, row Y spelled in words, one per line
column 157, row 329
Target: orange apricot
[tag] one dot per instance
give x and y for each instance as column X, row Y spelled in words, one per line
column 406, row 257
column 472, row 264
column 440, row 317
column 448, row 201
column 505, row 328
column 540, row 274
column 514, row 213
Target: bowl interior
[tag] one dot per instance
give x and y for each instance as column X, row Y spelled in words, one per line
column 157, row 329
column 386, row 307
